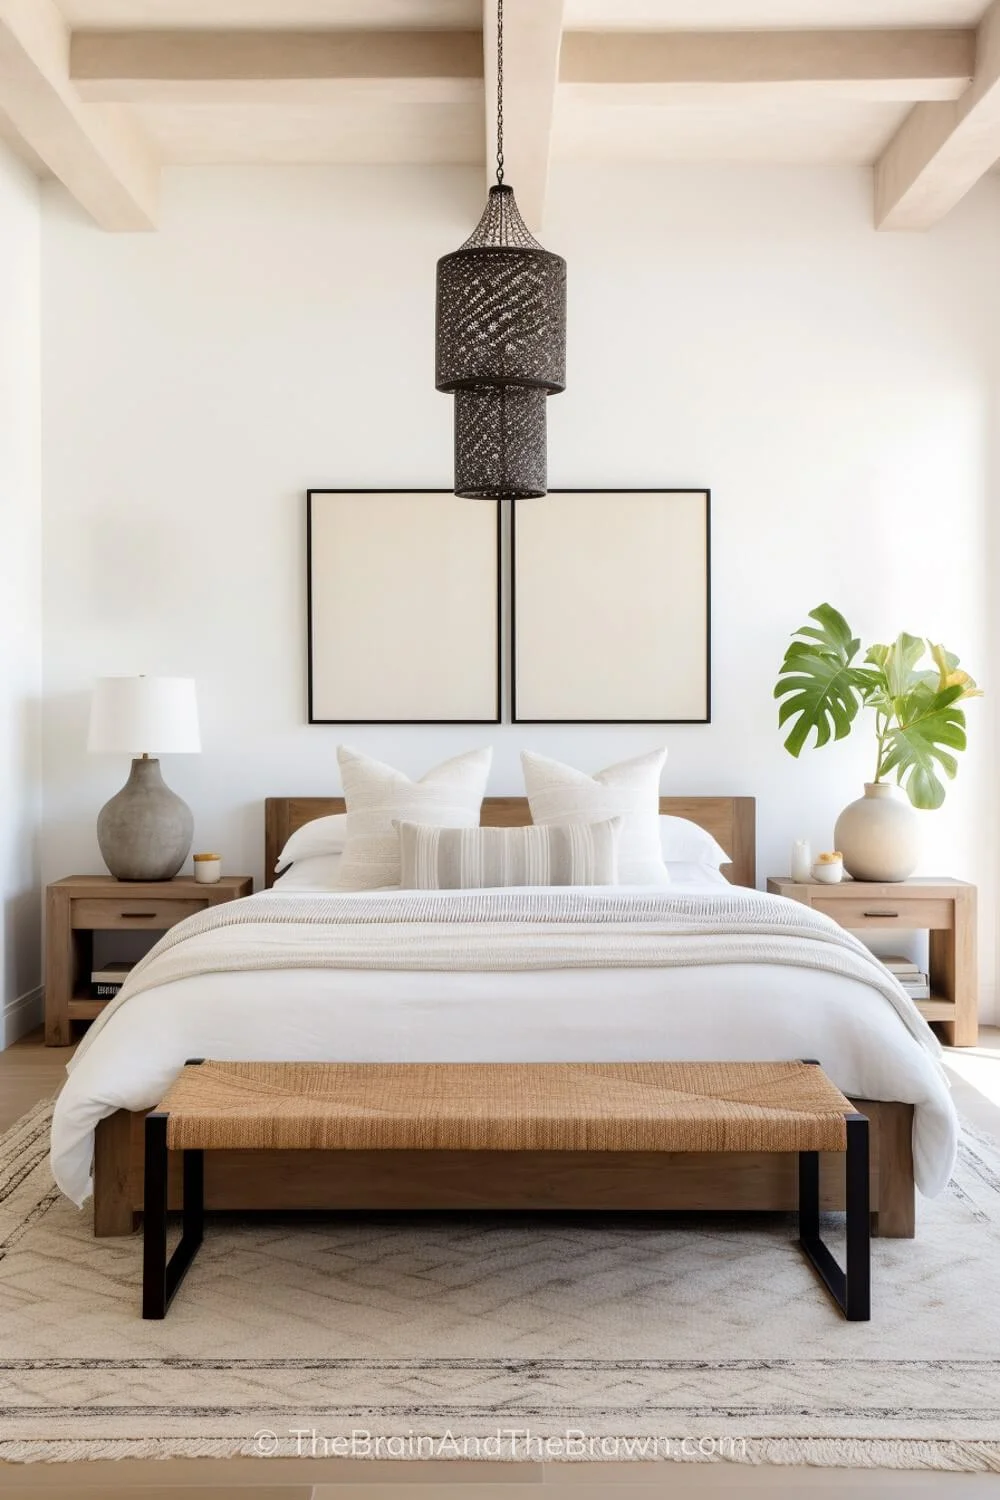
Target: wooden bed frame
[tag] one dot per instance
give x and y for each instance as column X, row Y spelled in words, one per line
column 732, row 822
column 518, row 1180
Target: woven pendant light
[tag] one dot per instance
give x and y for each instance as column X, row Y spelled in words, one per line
column 500, row 342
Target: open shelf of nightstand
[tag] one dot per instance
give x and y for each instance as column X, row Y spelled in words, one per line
column 85, row 1007
column 937, row 1008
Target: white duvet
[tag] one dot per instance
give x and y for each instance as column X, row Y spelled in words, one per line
column 871, row 1046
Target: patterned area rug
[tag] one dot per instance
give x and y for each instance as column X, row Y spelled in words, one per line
column 699, row 1338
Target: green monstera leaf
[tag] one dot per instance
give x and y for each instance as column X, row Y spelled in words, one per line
column 898, row 666
column 929, row 727
column 821, row 687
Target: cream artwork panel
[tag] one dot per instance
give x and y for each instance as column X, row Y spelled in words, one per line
column 404, row 608
column 611, row 607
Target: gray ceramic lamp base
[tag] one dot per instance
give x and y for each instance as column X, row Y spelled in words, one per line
column 145, row 831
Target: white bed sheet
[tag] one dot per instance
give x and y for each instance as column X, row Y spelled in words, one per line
column 752, row 1012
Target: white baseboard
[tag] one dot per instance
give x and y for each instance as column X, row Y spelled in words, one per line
column 21, row 1015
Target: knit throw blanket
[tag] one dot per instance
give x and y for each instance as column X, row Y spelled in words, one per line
column 566, row 928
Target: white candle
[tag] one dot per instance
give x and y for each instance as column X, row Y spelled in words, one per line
column 801, row 860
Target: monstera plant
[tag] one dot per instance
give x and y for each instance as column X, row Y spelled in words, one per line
column 914, row 688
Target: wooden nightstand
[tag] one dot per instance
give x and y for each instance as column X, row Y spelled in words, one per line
column 81, row 905
column 945, row 908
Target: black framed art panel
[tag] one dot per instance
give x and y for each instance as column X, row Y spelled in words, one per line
column 404, row 607
column 611, row 607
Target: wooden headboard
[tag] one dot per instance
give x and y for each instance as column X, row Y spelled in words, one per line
column 730, row 820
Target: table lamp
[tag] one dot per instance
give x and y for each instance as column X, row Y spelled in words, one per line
column 145, row 831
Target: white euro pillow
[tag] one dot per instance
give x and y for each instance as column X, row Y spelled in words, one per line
column 315, row 840
column 558, row 793
column 378, row 797
column 683, row 842
column 696, row 878
column 318, row 873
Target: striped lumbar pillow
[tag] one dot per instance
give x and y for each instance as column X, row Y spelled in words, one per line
column 465, row 859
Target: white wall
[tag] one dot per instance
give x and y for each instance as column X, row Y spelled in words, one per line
column 744, row 329
column 20, row 600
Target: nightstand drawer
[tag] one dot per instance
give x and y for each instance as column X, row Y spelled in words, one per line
column 107, row 914
column 883, row 911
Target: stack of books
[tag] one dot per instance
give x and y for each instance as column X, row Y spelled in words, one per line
column 913, row 980
column 105, row 983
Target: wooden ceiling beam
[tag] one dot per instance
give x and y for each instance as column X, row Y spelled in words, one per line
column 532, row 39
column 96, row 152
column 942, row 150
column 274, row 67
column 669, row 67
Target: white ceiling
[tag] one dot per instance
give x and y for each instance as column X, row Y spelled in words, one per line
column 598, row 15
column 341, row 121
column 806, row 131
column 139, row 100
column 345, row 130
column 286, row 14
column 753, row 15
column 803, row 131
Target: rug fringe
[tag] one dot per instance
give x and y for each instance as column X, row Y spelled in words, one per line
column 836, row 1453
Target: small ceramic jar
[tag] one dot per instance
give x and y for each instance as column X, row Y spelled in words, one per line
column 207, row 868
column 829, row 868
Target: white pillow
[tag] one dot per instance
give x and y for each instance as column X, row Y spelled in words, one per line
column 316, row 874
column 449, row 796
column 695, row 877
column 684, row 842
column 559, row 793
column 318, row 837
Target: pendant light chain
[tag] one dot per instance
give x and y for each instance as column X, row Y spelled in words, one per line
column 500, row 91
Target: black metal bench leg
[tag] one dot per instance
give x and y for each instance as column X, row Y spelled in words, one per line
column 850, row 1288
column 154, row 1219
column 859, row 1225
column 809, row 1195
column 161, row 1277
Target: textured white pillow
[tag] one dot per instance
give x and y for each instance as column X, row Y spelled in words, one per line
column 318, row 837
column 449, row 796
column 316, row 874
column 631, row 791
column 684, row 842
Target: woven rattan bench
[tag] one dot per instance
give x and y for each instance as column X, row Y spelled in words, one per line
column 592, row 1107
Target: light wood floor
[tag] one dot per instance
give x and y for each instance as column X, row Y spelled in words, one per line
column 29, row 1072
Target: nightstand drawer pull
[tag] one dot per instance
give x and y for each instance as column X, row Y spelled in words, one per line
column 881, row 913
column 139, row 916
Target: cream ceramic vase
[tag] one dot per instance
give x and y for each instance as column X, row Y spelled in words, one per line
column 879, row 835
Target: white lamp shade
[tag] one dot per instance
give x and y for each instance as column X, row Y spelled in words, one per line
column 144, row 715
